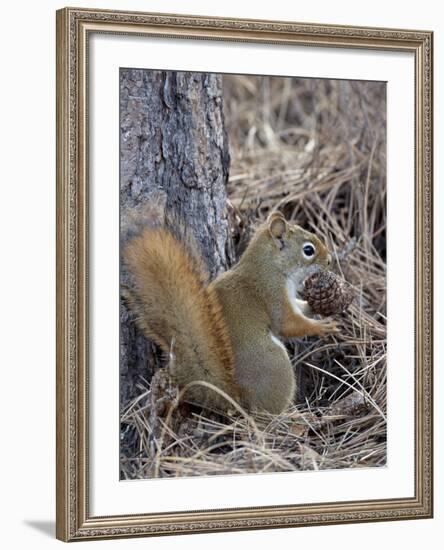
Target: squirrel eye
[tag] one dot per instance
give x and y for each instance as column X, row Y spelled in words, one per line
column 308, row 250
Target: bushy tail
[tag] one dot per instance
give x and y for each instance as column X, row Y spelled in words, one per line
column 176, row 309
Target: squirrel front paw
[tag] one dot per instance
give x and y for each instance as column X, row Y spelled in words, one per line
column 326, row 326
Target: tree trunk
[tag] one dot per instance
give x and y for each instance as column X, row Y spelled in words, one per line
column 173, row 145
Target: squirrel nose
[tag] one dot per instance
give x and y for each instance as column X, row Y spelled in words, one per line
column 329, row 258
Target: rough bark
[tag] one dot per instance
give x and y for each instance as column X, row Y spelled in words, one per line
column 173, row 145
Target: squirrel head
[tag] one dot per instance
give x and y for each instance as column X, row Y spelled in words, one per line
column 294, row 246
column 287, row 247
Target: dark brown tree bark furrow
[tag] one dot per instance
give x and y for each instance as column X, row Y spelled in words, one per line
column 174, row 150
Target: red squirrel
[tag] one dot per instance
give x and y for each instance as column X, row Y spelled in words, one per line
column 228, row 332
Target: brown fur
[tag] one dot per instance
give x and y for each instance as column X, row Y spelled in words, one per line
column 257, row 310
column 297, row 326
column 226, row 333
column 177, row 309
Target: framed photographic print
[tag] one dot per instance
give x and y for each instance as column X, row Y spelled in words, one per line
column 244, row 274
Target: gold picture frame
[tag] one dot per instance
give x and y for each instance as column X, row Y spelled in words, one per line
column 74, row 521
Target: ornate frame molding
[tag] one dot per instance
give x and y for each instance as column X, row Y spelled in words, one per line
column 73, row 27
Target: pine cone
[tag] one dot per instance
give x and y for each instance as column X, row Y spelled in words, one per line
column 326, row 293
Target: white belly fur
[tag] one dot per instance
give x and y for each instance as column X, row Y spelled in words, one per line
column 297, row 305
column 277, row 342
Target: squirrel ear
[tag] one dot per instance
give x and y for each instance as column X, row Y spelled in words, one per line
column 277, row 226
